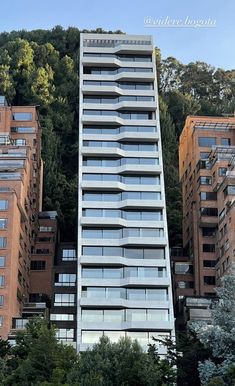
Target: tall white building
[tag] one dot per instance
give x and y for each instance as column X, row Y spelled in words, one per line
column 124, row 282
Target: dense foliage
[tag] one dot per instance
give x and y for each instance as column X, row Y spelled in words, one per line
column 38, row 359
column 219, row 337
column 41, row 67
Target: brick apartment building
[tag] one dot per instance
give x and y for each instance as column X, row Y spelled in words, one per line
column 207, row 176
column 28, row 236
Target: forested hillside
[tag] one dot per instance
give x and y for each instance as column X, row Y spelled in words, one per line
column 41, row 67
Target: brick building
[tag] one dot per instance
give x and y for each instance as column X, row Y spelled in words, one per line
column 206, row 168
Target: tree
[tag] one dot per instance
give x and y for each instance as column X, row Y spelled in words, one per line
column 219, row 337
column 120, row 364
column 38, row 356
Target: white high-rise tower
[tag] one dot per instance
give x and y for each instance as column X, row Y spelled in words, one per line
column 124, row 281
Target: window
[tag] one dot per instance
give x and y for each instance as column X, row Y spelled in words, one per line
column 229, row 190
column 62, row 317
column 209, row 263
column 225, row 141
column 1, row 300
column 222, row 172
column 183, row 268
column 64, row 300
column 42, row 251
column 3, row 223
column 3, row 204
column 185, row 284
column 208, row 247
column 204, row 155
column 208, row 231
column 65, row 279
column 2, row 281
column 208, row 196
column 1, row 320
column 2, row 261
column 204, row 180
column 24, row 130
column 45, row 229
column 3, row 242
column 38, row 265
column 68, row 254
column 66, row 334
column 20, row 142
column 209, row 212
column 206, row 141
column 209, row 280
column 22, row 116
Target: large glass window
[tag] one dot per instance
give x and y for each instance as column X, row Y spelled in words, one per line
column 65, row 279
column 38, row 265
column 209, row 212
column 3, row 204
column 205, row 180
column 64, row 300
column 2, row 261
column 208, row 247
column 183, row 268
column 22, row 116
column 66, row 334
column 1, row 300
column 208, row 196
column 62, row 317
column 68, row 254
column 206, row 141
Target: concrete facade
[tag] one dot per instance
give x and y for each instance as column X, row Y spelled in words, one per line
column 124, row 282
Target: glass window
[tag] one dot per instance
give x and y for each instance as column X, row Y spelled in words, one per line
column 183, row 268
column 68, row 254
column 3, row 204
column 22, row 116
column 208, row 231
column 208, row 247
column 3, row 223
column 95, row 292
column 1, row 320
column 66, row 334
column 91, row 337
column 112, row 273
column 222, row 172
column 92, row 273
column 114, row 293
column 133, row 253
column 65, row 279
column 64, row 300
column 1, row 300
column 62, row 317
column 113, row 316
column 205, row 180
column 156, row 294
column 206, row 141
column 2, row 261
column 209, row 280
column 225, row 141
column 135, row 294
column 157, row 315
column 209, row 212
column 154, row 253
column 92, row 316
column 135, row 315
column 38, row 265
column 3, row 242
column 92, row 251
column 112, row 251
column 208, row 196
column 114, row 336
column 2, row 281
column 209, row 263
column 92, row 233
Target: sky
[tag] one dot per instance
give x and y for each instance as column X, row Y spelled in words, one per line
column 214, row 45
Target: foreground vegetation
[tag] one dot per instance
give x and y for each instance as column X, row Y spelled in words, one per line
column 41, row 67
column 206, row 356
